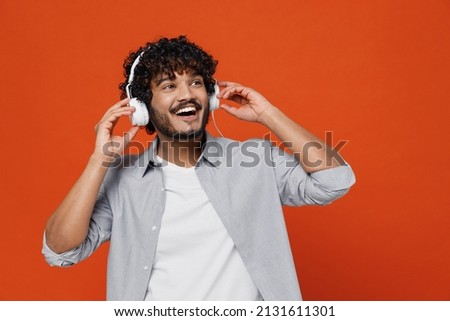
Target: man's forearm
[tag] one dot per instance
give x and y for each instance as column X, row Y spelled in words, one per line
column 314, row 153
column 68, row 226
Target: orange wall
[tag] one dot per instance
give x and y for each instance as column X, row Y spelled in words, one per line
column 375, row 73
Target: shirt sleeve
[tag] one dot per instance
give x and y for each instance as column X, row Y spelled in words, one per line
column 99, row 232
column 296, row 187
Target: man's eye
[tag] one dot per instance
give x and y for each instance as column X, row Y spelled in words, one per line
column 197, row 83
column 169, row 86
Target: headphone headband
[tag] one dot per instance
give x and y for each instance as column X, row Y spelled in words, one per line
column 130, row 79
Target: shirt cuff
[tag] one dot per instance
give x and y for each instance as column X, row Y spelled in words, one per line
column 336, row 178
column 55, row 259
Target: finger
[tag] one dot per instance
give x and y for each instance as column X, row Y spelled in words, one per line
column 235, row 90
column 238, row 99
column 119, row 104
column 127, row 109
column 114, row 116
column 238, row 94
column 110, row 121
column 229, row 109
column 226, row 83
column 124, row 107
column 128, row 136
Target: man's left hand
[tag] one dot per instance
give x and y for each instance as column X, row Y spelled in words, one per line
column 253, row 104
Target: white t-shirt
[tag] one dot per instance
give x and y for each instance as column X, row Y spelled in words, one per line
column 195, row 257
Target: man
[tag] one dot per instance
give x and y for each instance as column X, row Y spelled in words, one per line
column 193, row 217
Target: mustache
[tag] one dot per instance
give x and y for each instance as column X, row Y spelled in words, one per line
column 184, row 104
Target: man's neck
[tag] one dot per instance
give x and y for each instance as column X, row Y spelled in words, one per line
column 181, row 153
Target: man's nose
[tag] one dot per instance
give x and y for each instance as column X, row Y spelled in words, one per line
column 184, row 93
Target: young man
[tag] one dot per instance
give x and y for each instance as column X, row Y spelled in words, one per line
column 193, row 217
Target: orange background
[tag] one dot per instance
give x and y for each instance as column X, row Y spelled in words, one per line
column 376, row 73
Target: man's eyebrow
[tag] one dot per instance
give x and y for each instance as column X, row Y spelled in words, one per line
column 161, row 80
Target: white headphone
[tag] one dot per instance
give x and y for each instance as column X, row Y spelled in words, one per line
column 140, row 117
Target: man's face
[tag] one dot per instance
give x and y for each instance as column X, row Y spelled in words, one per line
column 179, row 107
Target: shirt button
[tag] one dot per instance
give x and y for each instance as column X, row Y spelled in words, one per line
column 146, row 267
column 154, row 228
column 162, row 189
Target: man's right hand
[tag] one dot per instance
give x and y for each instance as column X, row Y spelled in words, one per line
column 107, row 146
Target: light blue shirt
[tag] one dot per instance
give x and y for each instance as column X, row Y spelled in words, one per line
column 247, row 183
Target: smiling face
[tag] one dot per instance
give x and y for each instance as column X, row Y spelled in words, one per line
column 179, row 106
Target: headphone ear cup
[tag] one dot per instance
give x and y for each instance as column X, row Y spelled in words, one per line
column 139, row 117
column 213, row 100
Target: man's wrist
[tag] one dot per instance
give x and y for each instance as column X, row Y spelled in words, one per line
column 268, row 115
column 101, row 160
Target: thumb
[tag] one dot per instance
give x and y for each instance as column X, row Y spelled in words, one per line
column 128, row 136
column 229, row 109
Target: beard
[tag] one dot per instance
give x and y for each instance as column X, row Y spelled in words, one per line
column 162, row 124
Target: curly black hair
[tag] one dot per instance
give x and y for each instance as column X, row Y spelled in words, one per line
column 166, row 56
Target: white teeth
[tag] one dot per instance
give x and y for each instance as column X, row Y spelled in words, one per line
column 185, row 110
